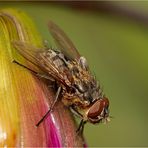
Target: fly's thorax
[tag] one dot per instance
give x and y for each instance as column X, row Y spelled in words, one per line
column 83, row 63
column 56, row 58
column 59, row 63
column 86, row 86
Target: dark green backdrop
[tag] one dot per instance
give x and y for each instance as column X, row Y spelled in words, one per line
column 117, row 51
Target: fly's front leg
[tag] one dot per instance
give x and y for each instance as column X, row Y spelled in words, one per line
column 75, row 111
column 52, row 106
column 82, row 123
column 81, row 127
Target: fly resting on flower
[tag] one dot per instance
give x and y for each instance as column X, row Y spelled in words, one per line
column 70, row 71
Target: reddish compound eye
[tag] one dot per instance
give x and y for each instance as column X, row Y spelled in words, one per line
column 105, row 102
column 97, row 108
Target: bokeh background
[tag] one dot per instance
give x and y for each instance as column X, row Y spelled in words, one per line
column 113, row 36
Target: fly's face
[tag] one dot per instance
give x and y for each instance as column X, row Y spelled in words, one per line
column 98, row 111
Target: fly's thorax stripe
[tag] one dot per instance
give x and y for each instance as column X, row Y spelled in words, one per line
column 58, row 62
column 54, row 58
column 52, row 54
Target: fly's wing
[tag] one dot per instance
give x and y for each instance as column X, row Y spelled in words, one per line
column 63, row 42
column 38, row 57
column 28, row 51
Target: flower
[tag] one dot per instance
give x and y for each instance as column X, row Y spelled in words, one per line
column 24, row 98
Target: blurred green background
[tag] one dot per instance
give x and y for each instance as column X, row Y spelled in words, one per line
column 113, row 36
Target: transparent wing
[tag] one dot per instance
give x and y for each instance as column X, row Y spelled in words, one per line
column 28, row 51
column 63, row 42
column 36, row 56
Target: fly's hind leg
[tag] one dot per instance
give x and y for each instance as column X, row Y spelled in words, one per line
column 46, row 77
column 34, row 72
column 51, row 108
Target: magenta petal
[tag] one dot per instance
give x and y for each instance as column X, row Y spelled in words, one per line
column 53, row 138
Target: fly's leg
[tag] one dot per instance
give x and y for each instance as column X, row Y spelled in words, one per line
column 81, row 127
column 82, row 123
column 46, row 77
column 34, row 72
column 75, row 111
column 51, row 108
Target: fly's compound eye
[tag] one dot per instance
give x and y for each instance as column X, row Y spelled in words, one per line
column 98, row 110
column 106, row 106
column 95, row 110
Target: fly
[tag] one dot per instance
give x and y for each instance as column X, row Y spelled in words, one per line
column 77, row 86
